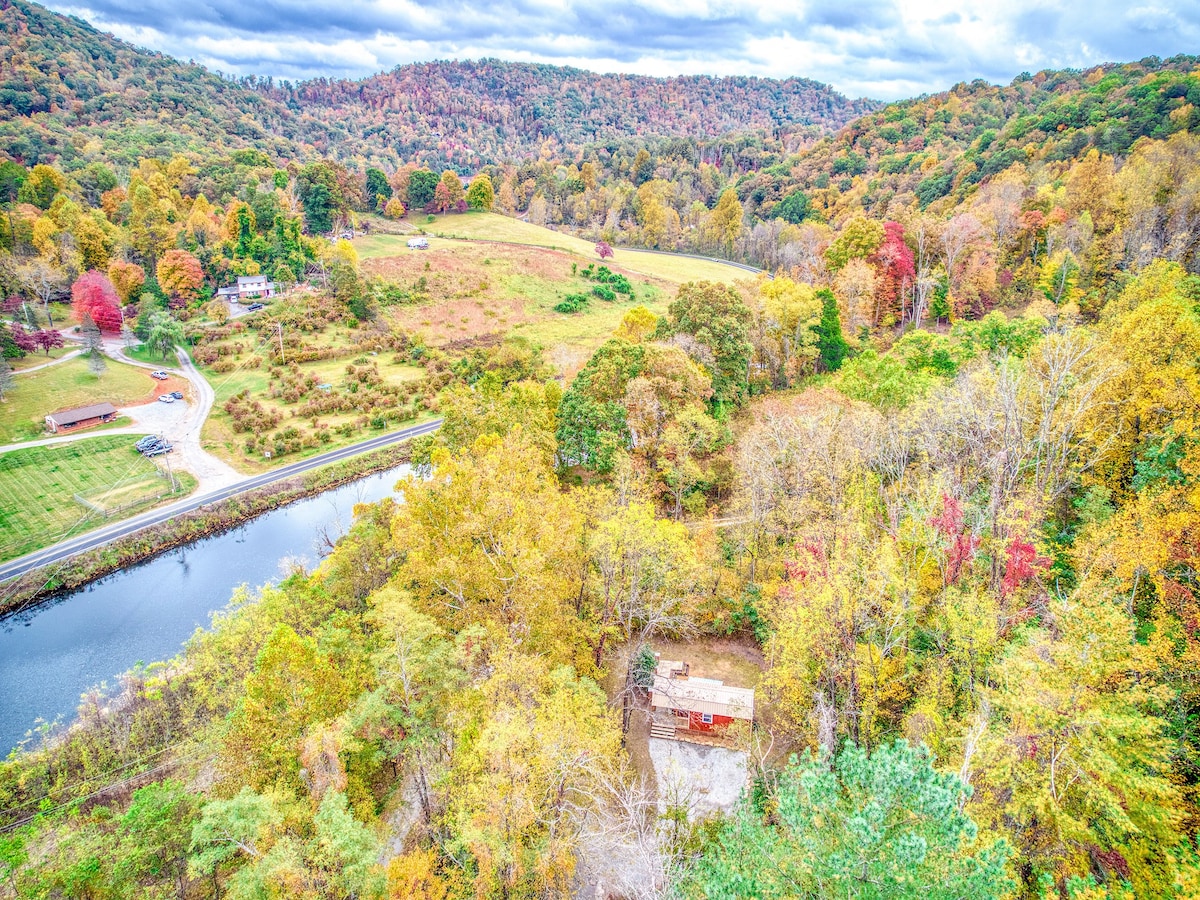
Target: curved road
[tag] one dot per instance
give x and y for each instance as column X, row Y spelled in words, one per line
column 101, row 536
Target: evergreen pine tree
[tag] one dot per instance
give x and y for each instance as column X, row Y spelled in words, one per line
column 830, row 341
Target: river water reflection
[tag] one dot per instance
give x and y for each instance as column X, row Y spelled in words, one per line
column 52, row 654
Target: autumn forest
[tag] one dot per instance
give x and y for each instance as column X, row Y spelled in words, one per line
column 930, row 462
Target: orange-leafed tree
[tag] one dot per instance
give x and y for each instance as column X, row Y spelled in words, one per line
column 180, row 275
column 127, row 278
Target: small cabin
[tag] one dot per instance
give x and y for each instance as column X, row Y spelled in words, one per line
column 83, row 417
column 248, row 286
column 698, row 704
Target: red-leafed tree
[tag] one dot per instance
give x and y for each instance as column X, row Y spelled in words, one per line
column 20, row 342
column 93, row 294
column 603, row 249
column 180, row 275
column 895, row 273
column 441, row 198
column 48, row 339
column 961, row 543
column 1021, row 564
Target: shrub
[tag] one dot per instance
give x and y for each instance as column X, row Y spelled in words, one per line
column 572, row 303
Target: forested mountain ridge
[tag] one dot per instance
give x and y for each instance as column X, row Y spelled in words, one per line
column 68, row 90
column 470, row 113
column 938, row 148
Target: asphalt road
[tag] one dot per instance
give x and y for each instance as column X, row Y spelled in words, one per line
column 725, row 262
column 101, row 536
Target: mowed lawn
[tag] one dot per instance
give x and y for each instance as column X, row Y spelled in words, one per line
column 38, row 484
column 479, row 226
column 66, row 386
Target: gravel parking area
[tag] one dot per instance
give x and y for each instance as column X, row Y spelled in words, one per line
column 705, row 780
column 168, row 419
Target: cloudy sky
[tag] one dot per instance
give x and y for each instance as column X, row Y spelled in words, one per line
column 886, row 49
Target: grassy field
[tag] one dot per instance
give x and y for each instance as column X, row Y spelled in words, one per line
column 142, row 353
column 38, row 487
column 492, row 227
column 473, row 289
column 66, row 386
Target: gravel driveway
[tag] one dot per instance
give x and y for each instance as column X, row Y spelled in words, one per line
column 166, row 419
column 703, row 779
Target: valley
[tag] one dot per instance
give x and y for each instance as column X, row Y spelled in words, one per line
column 772, row 494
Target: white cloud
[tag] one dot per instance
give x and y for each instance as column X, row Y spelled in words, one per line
column 882, row 48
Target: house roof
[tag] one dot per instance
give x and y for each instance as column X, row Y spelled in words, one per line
column 71, row 416
column 702, row 695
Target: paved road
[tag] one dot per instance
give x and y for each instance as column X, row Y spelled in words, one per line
column 54, row 362
column 725, row 262
column 210, row 472
column 101, row 536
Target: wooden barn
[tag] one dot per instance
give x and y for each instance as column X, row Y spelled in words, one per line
column 696, row 704
column 82, row 417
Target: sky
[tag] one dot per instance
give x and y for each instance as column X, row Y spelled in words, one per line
column 885, row 49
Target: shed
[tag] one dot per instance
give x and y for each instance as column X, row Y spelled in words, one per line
column 705, row 703
column 82, row 417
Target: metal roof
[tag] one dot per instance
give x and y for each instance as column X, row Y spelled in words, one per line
column 71, row 416
column 702, row 695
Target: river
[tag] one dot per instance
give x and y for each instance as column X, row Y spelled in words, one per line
column 55, row 652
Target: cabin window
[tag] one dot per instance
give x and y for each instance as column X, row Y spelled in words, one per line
column 682, row 713
column 706, row 718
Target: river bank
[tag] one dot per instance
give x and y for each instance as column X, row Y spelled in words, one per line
column 51, row 581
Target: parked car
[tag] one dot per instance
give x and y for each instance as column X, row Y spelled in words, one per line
column 166, row 398
column 178, row 395
column 152, row 445
column 254, row 307
column 161, row 376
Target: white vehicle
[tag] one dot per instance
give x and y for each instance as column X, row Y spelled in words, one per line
column 418, row 243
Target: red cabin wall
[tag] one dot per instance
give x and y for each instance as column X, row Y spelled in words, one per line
column 696, row 724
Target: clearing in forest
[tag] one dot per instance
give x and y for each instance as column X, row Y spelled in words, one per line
column 464, row 290
column 481, row 226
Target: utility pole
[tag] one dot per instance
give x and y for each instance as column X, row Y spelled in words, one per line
column 170, row 474
column 280, row 326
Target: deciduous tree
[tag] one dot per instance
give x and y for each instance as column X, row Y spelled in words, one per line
column 480, row 194
column 93, row 295
column 180, row 275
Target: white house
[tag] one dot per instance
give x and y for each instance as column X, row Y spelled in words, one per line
column 248, row 286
